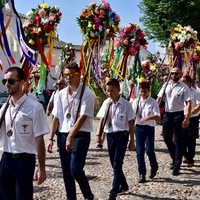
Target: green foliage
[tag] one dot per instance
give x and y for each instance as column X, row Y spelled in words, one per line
column 160, row 16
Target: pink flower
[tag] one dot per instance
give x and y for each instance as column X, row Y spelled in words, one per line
column 92, row 34
column 125, row 42
column 42, row 12
column 117, row 43
column 100, row 28
column 52, row 16
column 116, row 18
column 106, row 6
column 132, row 51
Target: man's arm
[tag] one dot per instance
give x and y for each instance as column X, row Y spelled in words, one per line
column 54, row 128
column 40, row 175
column 185, row 123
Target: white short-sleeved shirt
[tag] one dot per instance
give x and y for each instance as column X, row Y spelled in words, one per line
column 30, row 122
column 195, row 100
column 54, row 98
column 62, row 109
column 144, row 108
column 175, row 96
column 32, row 96
column 122, row 113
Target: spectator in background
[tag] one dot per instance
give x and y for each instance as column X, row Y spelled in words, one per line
column 60, row 84
column 190, row 133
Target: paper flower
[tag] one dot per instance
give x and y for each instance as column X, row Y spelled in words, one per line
column 42, row 22
column 2, row 3
column 131, row 37
column 68, row 53
column 98, row 21
column 182, row 37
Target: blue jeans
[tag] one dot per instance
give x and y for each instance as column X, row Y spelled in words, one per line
column 145, row 142
column 117, row 144
column 16, row 176
column 173, row 136
column 189, row 139
column 73, row 162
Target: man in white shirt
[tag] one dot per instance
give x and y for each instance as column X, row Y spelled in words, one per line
column 74, row 124
column 21, row 139
column 176, row 96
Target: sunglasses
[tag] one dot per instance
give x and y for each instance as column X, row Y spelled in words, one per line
column 59, row 83
column 174, row 73
column 10, row 81
column 70, row 75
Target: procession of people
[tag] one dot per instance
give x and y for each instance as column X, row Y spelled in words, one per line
column 25, row 125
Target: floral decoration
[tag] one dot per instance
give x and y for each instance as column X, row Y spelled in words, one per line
column 42, row 21
column 182, row 37
column 148, row 71
column 68, row 53
column 2, row 3
column 98, row 21
column 131, row 37
column 196, row 56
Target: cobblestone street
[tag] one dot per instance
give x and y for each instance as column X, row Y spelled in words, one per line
column 99, row 172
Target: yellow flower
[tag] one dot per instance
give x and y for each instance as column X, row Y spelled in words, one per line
column 142, row 79
column 31, row 42
column 44, row 5
column 153, row 68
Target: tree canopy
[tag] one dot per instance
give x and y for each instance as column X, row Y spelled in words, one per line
column 160, row 16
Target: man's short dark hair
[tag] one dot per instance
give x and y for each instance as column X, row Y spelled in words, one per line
column 20, row 72
column 144, row 85
column 74, row 66
column 113, row 82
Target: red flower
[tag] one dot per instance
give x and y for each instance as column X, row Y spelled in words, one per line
column 48, row 28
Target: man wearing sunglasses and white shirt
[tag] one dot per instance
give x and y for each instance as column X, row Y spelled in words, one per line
column 175, row 94
column 21, row 139
column 73, row 135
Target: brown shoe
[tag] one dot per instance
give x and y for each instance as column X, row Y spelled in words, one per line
column 184, row 160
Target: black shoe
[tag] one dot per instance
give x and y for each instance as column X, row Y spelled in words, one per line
column 123, row 189
column 142, row 179
column 153, row 173
column 111, row 197
column 91, row 197
column 171, row 166
column 99, row 146
column 175, row 172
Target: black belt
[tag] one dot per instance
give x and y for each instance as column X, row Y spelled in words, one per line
column 18, row 155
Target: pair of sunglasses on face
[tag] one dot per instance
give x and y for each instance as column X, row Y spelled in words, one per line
column 70, row 75
column 10, row 81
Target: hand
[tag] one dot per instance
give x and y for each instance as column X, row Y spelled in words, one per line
column 185, row 123
column 69, row 143
column 131, row 146
column 143, row 121
column 40, row 176
column 50, row 146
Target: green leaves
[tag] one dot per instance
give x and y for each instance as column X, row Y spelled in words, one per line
column 160, row 16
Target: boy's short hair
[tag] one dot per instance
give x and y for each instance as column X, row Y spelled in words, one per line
column 73, row 65
column 144, row 85
column 113, row 82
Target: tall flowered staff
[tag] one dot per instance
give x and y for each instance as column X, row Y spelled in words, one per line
column 182, row 46
column 128, row 43
column 99, row 24
column 67, row 56
column 40, row 31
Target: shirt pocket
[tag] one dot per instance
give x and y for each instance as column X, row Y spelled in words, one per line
column 121, row 118
column 179, row 94
column 24, row 128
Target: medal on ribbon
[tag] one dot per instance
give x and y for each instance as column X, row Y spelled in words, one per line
column 10, row 133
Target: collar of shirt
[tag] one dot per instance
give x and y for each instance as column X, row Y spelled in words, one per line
column 120, row 101
column 19, row 101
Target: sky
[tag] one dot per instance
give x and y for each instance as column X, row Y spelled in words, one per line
column 68, row 29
